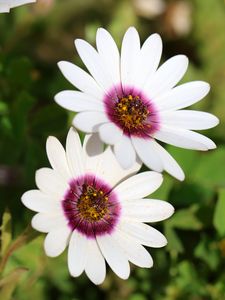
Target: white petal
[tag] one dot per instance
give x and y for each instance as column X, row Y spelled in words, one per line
column 49, row 182
column 89, row 121
column 150, row 56
column 167, row 76
column 39, row 202
column 184, row 138
column 93, row 149
column 147, row 153
column 104, row 164
column 147, row 210
column 45, row 222
column 94, row 64
column 145, row 234
column 139, row 186
column 57, row 157
column 124, row 152
column 56, row 241
column 114, row 255
column 95, row 267
column 77, row 253
column 183, row 95
column 134, row 251
column 129, row 56
column 80, row 79
column 107, row 48
column 110, row 133
column 169, row 163
column 78, row 101
column 4, row 7
column 74, row 153
column 16, row 3
column 189, row 119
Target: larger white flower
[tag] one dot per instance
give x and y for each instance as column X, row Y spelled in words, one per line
column 83, row 202
column 6, row 5
column 131, row 103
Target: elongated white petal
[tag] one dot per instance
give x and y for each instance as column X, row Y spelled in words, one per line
column 57, row 157
column 89, row 121
column 94, row 64
column 189, row 119
column 147, row 210
column 46, row 222
column 145, row 234
column 74, row 153
column 129, row 56
column 147, row 153
column 49, row 182
column 139, row 186
column 110, row 133
column 184, row 138
column 169, row 163
column 95, row 267
column 103, row 163
column 114, row 255
column 80, row 79
column 78, row 101
column 107, row 48
column 150, row 56
column 77, row 253
column 56, row 241
column 124, row 152
column 39, row 202
column 133, row 250
column 182, row 96
column 167, row 76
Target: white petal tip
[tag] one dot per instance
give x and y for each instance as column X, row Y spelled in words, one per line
column 79, row 42
column 61, row 64
column 181, row 177
column 49, row 252
column 24, row 199
column 50, row 139
column 126, row 165
column 97, row 281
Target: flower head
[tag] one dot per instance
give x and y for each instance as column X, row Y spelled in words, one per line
column 6, row 5
column 88, row 202
column 131, row 102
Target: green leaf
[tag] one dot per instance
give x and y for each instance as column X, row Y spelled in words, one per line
column 208, row 252
column 185, row 219
column 164, row 190
column 174, row 243
column 6, row 232
column 207, row 171
column 219, row 214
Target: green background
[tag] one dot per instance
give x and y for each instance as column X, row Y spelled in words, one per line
column 33, row 39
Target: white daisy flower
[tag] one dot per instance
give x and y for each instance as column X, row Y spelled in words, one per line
column 131, row 103
column 88, row 202
column 6, row 5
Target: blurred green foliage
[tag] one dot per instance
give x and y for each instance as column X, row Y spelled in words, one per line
column 32, row 40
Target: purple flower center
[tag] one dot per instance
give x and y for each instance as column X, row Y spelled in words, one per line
column 91, row 206
column 132, row 111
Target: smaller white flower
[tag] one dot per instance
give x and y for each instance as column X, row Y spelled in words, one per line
column 6, row 5
column 87, row 201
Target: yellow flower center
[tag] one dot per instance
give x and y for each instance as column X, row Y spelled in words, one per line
column 131, row 112
column 92, row 204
